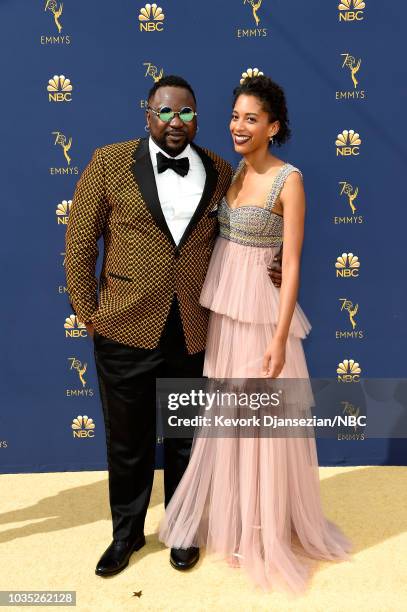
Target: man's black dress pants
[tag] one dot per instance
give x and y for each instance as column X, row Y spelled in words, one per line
column 127, row 377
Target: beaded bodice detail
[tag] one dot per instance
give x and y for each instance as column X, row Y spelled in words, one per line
column 252, row 225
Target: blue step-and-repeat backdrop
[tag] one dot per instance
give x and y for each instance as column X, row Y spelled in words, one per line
column 74, row 77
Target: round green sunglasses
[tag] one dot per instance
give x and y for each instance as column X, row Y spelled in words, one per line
column 166, row 113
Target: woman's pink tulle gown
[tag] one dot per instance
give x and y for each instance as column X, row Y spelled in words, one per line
column 255, row 501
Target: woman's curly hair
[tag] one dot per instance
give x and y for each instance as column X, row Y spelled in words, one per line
column 273, row 101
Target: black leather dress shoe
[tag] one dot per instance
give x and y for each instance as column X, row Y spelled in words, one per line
column 116, row 556
column 184, row 558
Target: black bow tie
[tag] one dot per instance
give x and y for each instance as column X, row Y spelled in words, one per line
column 180, row 166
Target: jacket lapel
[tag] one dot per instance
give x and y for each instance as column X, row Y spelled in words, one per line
column 208, row 191
column 144, row 174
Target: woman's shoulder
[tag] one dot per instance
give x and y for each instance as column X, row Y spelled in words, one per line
column 288, row 175
column 289, row 169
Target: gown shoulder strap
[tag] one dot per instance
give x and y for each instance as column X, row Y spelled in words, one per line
column 238, row 170
column 278, row 184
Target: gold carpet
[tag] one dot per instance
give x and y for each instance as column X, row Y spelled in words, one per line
column 54, row 527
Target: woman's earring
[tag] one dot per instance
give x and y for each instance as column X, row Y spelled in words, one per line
column 147, row 129
column 271, row 140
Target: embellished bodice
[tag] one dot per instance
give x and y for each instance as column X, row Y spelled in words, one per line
column 257, row 226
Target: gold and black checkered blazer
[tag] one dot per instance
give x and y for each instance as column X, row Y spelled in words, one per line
column 116, row 197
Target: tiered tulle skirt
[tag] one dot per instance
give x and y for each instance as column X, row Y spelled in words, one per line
column 253, row 500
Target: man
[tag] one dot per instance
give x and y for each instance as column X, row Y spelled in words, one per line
column 153, row 200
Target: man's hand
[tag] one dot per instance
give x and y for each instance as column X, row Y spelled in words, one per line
column 90, row 329
column 274, row 269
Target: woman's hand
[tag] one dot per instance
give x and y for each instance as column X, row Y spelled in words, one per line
column 90, row 329
column 274, row 359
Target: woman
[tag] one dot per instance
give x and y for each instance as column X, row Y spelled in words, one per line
column 256, row 500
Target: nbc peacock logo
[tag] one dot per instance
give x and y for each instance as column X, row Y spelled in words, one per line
column 351, row 10
column 83, row 427
column 59, row 89
column 73, row 328
column 347, row 266
column 347, row 143
column 348, row 371
column 62, row 212
column 151, row 18
column 250, row 73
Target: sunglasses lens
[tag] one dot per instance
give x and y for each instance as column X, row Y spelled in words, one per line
column 166, row 114
column 187, row 114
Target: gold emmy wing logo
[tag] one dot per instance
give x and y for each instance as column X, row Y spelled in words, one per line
column 59, row 89
column 347, row 143
column 350, row 409
column 347, row 265
column 353, row 65
column 255, row 6
column 151, row 18
column 83, row 427
column 351, row 309
column 249, row 73
column 153, row 72
column 351, row 10
column 61, row 141
column 62, row 211
column 348, row 371
column 350, row 193
column 52, row 6
column 79, row 367
column 73, row 328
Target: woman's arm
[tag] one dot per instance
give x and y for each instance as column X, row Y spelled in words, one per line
column 293, row 200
